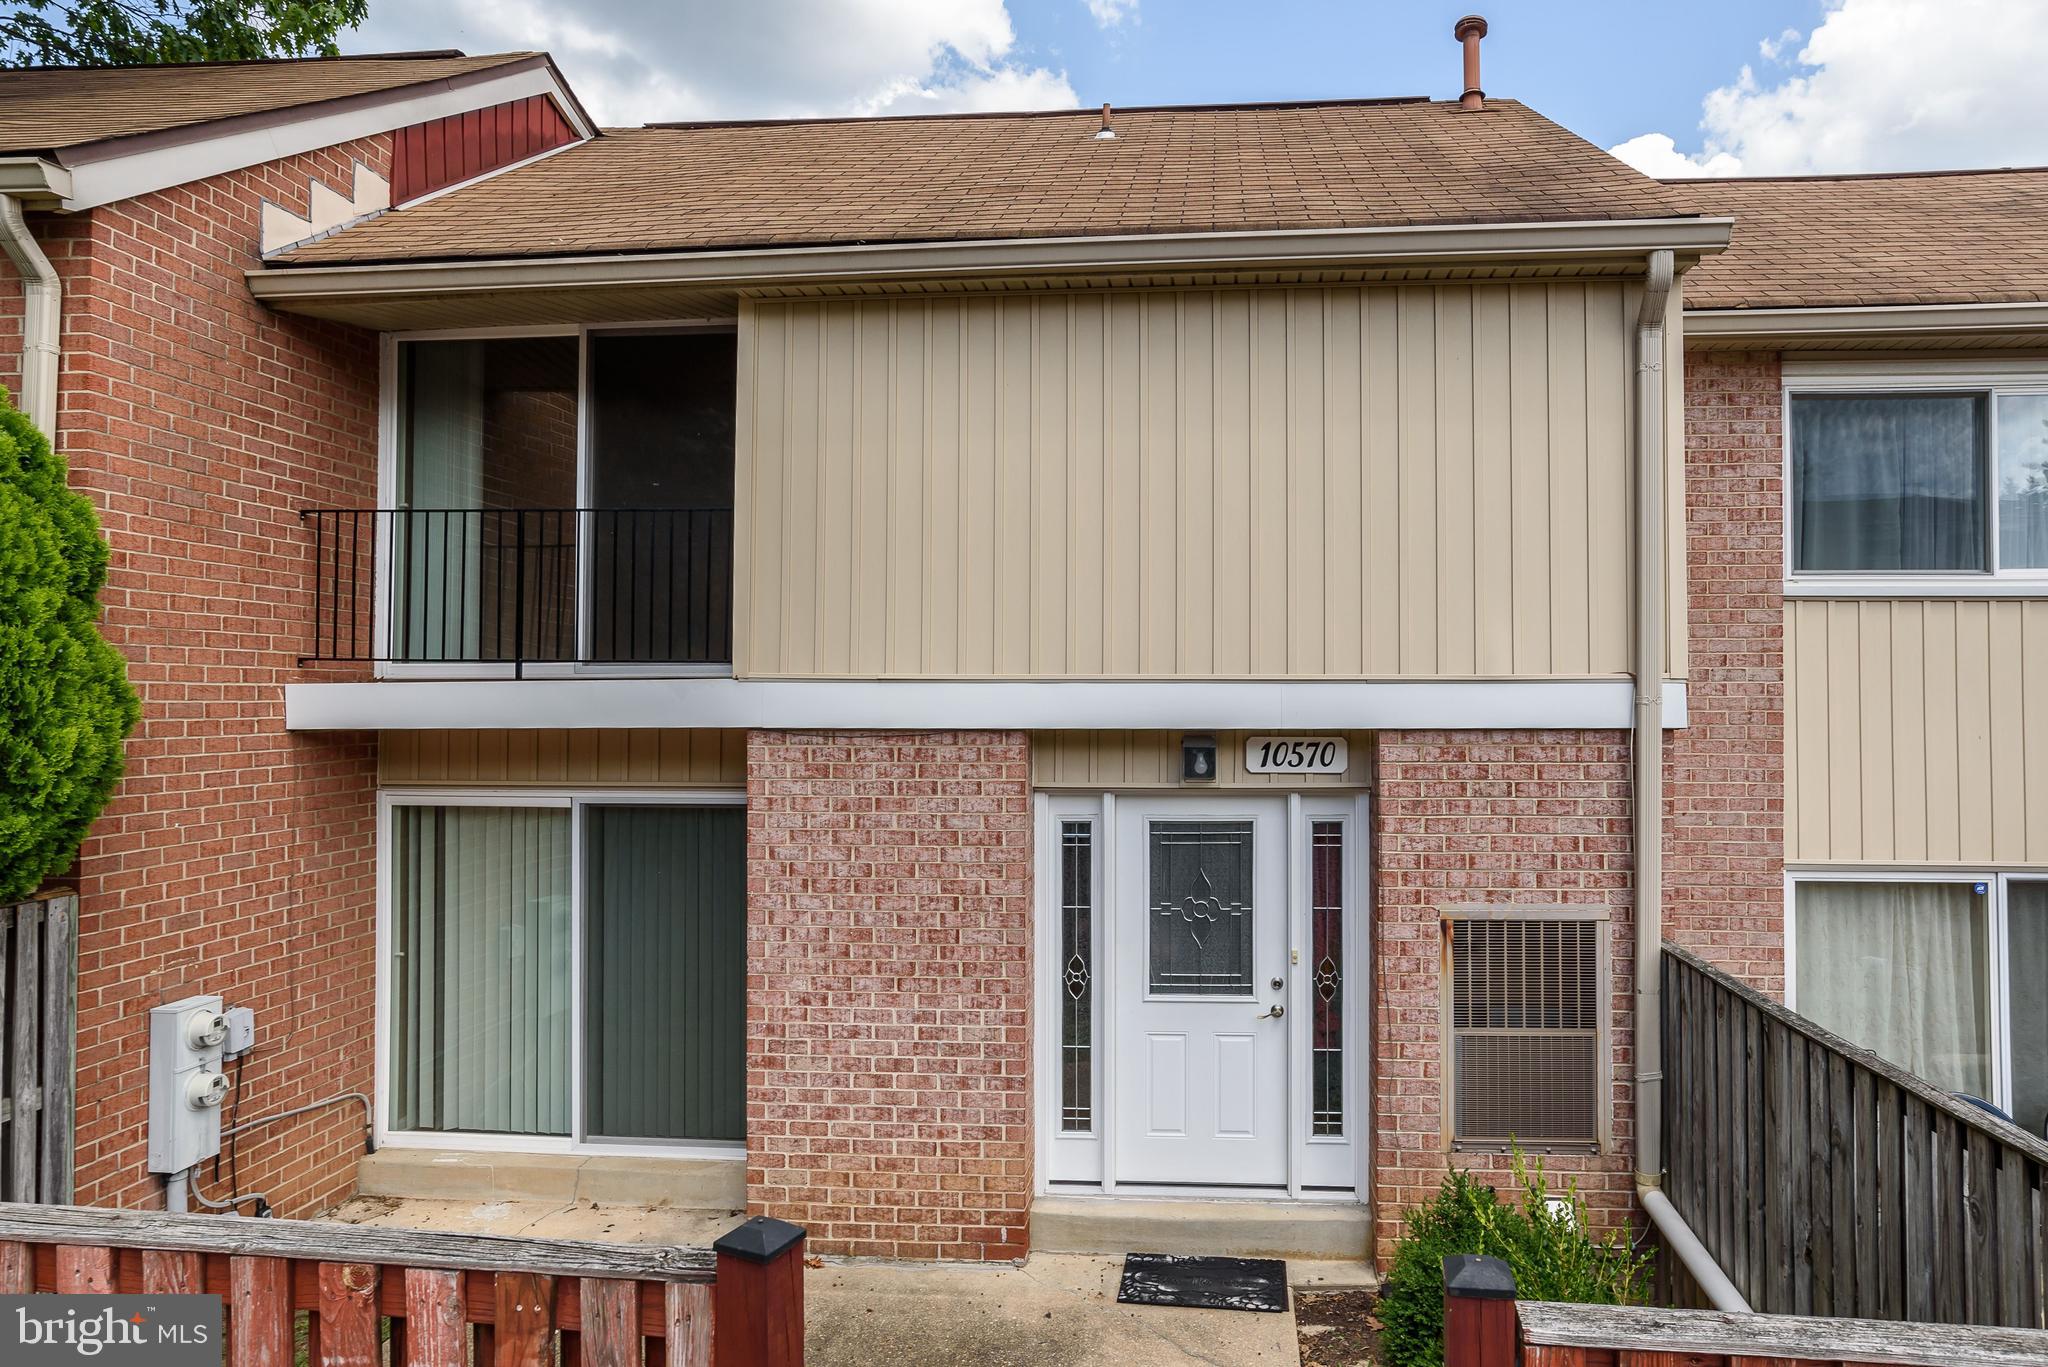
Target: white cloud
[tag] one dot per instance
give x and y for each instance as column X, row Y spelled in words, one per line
column 1880, row 85
column 633, row 62
column 1654, row 154
column 1110, row 13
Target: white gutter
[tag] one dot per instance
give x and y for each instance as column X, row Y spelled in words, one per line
column 288, row 284
column 42, row 299
column 1930, row 320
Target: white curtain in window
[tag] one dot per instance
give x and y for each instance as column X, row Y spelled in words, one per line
column 1888, row 482
column 1901, row 969
column 480, row 983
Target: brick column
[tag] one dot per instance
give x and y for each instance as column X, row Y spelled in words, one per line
column 1724, row 803
column 1467, row 817
column 889, row 988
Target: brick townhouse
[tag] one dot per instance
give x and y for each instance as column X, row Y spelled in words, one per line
column 994, row 682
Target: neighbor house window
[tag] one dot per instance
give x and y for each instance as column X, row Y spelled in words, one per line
column 1947, row 978
column 1526, row 1017
column 1911, row 483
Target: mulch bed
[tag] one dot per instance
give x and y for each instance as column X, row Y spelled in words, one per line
column 1337, row 1328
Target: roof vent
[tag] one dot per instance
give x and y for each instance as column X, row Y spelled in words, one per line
column 1469, row 31
column 1105, row 132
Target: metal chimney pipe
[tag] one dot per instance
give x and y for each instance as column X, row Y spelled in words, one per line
column 1469, row 31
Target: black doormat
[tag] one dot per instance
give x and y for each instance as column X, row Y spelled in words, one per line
column 1204, row 1283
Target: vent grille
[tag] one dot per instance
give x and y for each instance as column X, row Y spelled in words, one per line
column 1526, row 1011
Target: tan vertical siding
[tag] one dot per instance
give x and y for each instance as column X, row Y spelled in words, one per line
column 1100, row 760
column 1408, row 480
column 1917, row 731
column 593, row 758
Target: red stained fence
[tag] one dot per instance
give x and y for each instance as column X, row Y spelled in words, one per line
column 1485, row 1327
column 341, row 1292
column 441, row 152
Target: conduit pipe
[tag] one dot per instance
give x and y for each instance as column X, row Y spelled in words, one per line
column 42, row 298
column 1648, row 812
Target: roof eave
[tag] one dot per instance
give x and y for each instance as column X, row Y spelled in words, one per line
column 284, row 286
column 1930, row 321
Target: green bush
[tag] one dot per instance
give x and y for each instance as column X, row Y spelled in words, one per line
column 65, row 703
column 1549, row 1251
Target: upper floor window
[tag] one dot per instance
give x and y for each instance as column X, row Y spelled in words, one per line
column 1922, row 482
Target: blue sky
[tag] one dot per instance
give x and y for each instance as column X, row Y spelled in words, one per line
column 1677, row 87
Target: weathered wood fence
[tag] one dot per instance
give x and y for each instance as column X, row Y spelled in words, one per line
column 1485, row 1327
column 38, row 1025
column 332, row 1295
column 1825, row 1181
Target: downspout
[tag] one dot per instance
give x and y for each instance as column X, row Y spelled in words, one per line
column 42, row 299
column 1649, row 797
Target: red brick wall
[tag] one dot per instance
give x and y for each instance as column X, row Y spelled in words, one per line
column 1724, row 829
column 888, row 989
column 234, row 858
column 1464, row 817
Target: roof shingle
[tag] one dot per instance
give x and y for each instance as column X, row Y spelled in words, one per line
column 45, row 109
column 707, row 187
column 1949, row 237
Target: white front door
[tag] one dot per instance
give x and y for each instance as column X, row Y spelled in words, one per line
column 1201, row 974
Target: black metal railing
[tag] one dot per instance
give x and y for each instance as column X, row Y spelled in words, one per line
column 520, row 586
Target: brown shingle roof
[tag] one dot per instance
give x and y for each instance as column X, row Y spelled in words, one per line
column 1950, row 237
column 1271, row 167
column 44, row 109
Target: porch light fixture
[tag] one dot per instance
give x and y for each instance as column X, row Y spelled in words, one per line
column 1197, row 759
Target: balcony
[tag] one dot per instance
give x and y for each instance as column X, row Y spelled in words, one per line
column 522, row 592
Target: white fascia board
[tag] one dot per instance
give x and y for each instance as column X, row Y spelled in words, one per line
column 505, row 704
column 886, row 261
column 1906, row 319
column 105, row 180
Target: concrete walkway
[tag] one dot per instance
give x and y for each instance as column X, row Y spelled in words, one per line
column 1058, row 1310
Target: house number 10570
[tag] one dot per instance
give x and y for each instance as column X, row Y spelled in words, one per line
column 1296, row 755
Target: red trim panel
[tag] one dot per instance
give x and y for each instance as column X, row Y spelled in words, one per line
column 435, row 155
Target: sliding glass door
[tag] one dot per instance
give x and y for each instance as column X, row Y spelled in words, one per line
column 560, row 969
column 665, row 972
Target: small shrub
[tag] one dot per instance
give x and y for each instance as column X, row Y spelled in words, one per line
column 65, row 703
column 1549, row 1250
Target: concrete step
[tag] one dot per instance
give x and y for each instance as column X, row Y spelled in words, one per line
column 712, row 1184
column 1335, row 1231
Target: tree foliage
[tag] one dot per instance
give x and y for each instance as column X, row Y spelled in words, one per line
column 65, row 703
column 143, row 32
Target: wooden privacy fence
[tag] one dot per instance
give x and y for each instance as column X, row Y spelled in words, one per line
column 1485, row 1327
column 38, row 1024
column 330, row 1295
column 1825, row 1181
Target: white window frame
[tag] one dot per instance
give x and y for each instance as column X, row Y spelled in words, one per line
column 390, row 418
column 572, row 800
column 1998, row 987
column 1991, row 378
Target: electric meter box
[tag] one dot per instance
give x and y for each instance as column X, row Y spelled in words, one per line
column 186, row 1084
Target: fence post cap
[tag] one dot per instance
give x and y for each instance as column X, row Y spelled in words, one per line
column 1477, row 1277
column 760, row 1240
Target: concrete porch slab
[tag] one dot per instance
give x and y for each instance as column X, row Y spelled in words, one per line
column 1310, row 1230
column 622, row 1224
column 593, row 1179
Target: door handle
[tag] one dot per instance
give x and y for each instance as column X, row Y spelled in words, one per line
column 1274, row 1012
